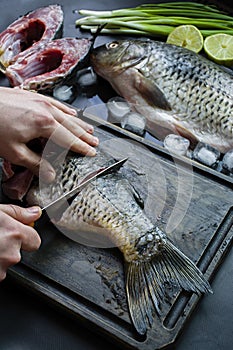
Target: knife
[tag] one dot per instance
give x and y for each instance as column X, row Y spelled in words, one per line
column 84, row 182
column 87, row 179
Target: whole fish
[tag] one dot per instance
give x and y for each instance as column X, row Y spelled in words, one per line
column 48, row 64
column 177, row 90
column 40, row 25
column 111, row 203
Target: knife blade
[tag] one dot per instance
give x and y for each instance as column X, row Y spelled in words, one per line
column 90, row 177
column 84, row 182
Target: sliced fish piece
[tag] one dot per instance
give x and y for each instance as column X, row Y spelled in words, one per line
column 42, row 24
column 50, row 63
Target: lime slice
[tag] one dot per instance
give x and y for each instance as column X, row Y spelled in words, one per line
column 187, row 36
column 219, row 48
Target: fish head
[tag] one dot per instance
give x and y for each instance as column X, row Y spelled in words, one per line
column 117, row 56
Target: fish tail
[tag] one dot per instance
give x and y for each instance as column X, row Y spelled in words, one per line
column 146, row 283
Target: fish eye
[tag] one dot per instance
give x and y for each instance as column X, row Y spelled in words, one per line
column 112, row 45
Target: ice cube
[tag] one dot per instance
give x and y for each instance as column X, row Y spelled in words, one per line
column 218, row 166
column 206, row 154
column 134, row 122
column 227, row 161
column 65, row 93
column 86, row 80
column 176, row 144
column 117, row 108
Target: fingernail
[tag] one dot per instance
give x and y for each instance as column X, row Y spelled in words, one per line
column 49, row 176
column 34, row 210
column 91, row 152
column 73, row 111
column 47, row 172
column 95, row 141
column 90, row 129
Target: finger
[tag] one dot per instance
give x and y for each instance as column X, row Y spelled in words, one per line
column 2, row 273
column 30, row 239
column 60, row 106
column 72, row 125
column 65, row 138
column 10, row 256
column 61, row 117
column 70, row 112
column 86, row 126
column 25, row 237
column 38, row 166
column 24, row 215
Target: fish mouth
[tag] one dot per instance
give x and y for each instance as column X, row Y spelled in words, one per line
column 97, row 60
column 128, row 63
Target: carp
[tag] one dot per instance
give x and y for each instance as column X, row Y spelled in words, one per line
column 111, row 203
column 177, row 90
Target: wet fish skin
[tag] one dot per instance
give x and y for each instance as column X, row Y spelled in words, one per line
column 42, row 24
column 176, row 89
column 110, row 203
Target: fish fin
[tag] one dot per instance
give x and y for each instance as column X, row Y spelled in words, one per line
column 146, row 283
column 181, row 130
column 151, row 92
column 137, row 196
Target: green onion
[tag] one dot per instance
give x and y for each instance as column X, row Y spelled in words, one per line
column 157, row 19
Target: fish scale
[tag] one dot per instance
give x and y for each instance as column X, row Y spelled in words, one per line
column 176, row 89
column 110, row 206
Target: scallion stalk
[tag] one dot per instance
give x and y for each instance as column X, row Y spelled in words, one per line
column 157, row 19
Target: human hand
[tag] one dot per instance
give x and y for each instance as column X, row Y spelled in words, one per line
column 16, row 234
column 25, row 116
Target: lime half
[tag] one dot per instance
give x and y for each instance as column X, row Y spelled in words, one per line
column 219, row 48
column 187, row 36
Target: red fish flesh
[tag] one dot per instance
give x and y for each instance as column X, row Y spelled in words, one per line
column 15, row 180
column 37, row 26
column 48, row 64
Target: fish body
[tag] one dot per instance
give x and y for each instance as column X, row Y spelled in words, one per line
column 177, row 90
column 112, row 204
column 40, row 25
column 47, row 64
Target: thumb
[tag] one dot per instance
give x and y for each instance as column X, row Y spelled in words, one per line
column 37, row 165
column 24, row 215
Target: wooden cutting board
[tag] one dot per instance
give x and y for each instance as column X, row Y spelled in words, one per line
column 87, row 282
